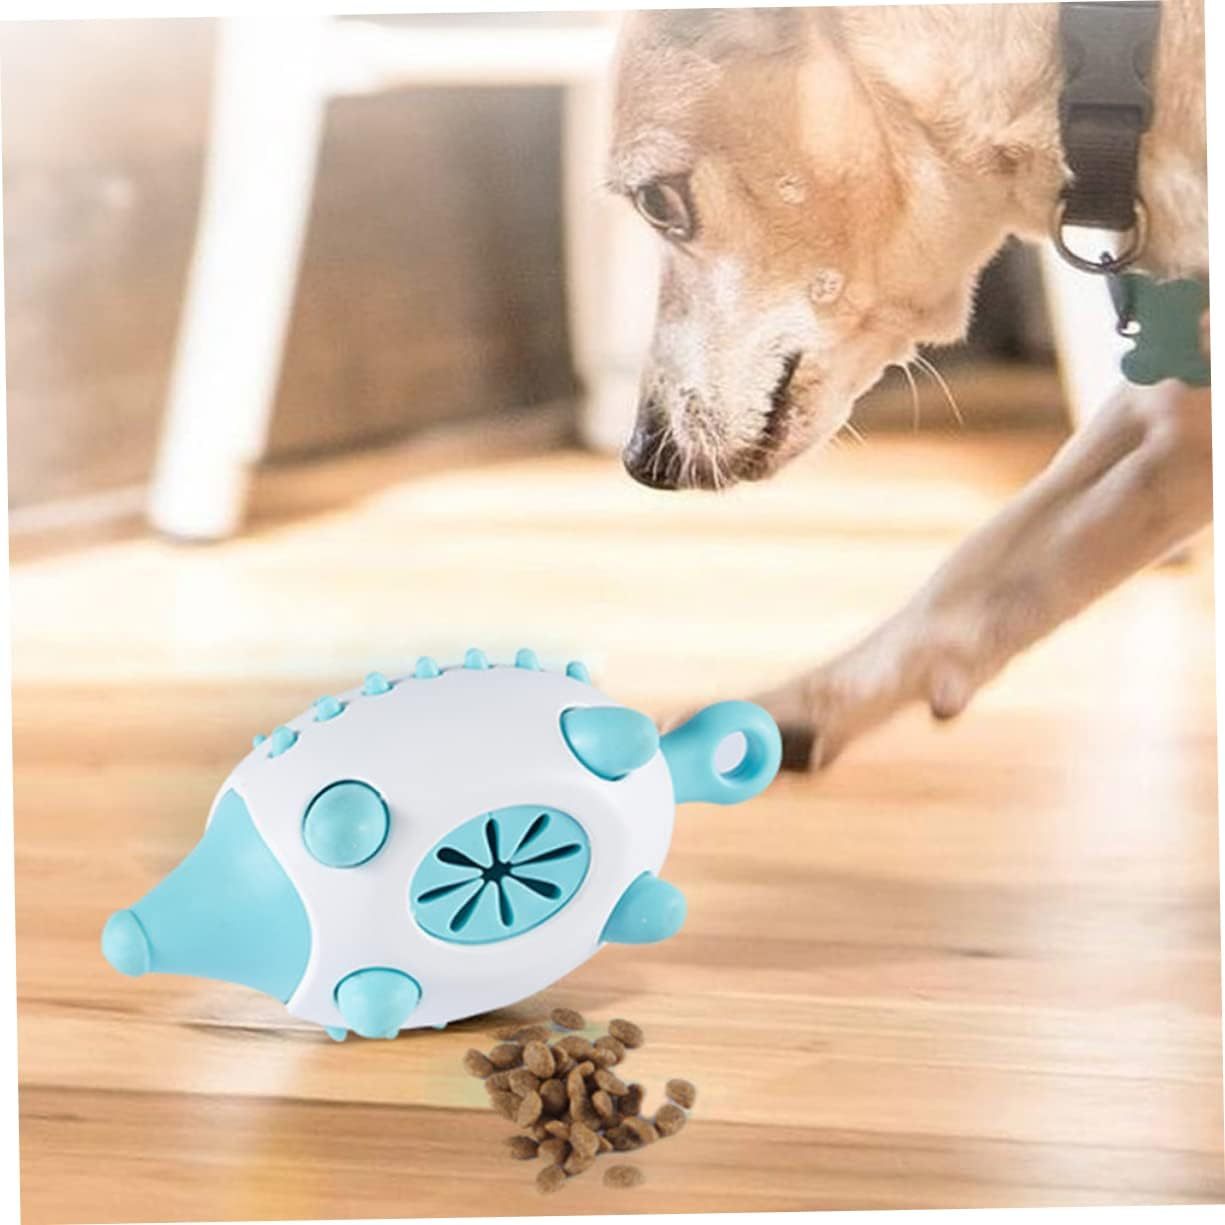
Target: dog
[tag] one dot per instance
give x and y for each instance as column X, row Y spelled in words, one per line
column 827, row 184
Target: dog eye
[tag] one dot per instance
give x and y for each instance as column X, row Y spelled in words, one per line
column 663, row 205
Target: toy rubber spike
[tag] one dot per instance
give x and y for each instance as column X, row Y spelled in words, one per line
column 196, row 922
column 426, row 669
column 576, row 670
column 609, row 740
column 648, row 911
column 376, row 1002
column 475, row 658
column 525, row 658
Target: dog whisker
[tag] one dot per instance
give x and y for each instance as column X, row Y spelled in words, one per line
column 904, row 367
column 926, row 365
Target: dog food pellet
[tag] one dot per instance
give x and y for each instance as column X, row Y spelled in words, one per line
column 551, row 1178
column 523, row 1082
column 574, row 1045
column 553, row 1094
column 522, row 1148
column 554, row 1149
column 478, row 1064
column 562, row 1063
column 583, row 1140
column 603, row 1104
column 506, row 1055
column 576, row 1163
column 559, row 1128
column 531, row 1033
column 669, row 1119
column 537, row 1058
column 499, row 1081
column 642, row 1129
column 610, row 1083
column 506, row 1104
column 622, row 1176
column 621, row 1140
column 605, row 1144
column 682, row 1092
column 567, row 1018
column 538, row 1131
column 631, row 1102
column 581, row 1111
column 625, row 1032
column 608, row 1050
column 585, row 1069
column 529, row 1109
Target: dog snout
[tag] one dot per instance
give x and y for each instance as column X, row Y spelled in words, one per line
column 651, row 456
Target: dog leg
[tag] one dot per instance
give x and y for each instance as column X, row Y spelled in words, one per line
column 1128, row 487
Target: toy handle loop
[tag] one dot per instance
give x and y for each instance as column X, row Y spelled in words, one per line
column 690, row 753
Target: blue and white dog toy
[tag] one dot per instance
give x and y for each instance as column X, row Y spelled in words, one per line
column 425, row 848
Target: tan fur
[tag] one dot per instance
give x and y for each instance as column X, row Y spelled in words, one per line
column 851, row 171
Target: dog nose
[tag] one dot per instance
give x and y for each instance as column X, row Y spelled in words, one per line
column 650, row 456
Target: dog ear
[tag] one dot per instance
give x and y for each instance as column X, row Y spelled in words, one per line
column 718, row 34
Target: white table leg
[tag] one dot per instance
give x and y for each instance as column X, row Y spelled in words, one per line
column 266, row 117
column 1086, row 344
column 612, row 271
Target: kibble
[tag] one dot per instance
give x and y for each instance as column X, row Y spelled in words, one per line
column 611, row 1084
column 626, row 1032
column 576, row 1163
column 522, row 1148
column 642, row 1129
column 506, row 1104
column 568, row 1104
column 551, row 1178
column 584, row 1140
column 608, row 1050
column 574, row 1045
column 622, row 1139
column 506, row 1055
column 669, row 1119
column 531, row 1033
column 682, row 1093
column 553, row 1094
column 538, row 1059
column 477, row 1064
column 523, row 1082
column 622, row 1176
column 555, row 1149
column 529, row 1109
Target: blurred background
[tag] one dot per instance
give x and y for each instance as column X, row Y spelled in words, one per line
column 321, row 336
column 426, row 222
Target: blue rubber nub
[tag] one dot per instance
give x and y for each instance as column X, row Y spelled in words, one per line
column 125, row 945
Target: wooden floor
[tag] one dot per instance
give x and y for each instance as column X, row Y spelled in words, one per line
column 973, row 965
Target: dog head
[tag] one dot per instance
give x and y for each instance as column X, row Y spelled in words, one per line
column 812, row 232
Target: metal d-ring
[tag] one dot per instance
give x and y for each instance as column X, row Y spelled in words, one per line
column 1105, row 264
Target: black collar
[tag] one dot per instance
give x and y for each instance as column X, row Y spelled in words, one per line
column 1104, row 109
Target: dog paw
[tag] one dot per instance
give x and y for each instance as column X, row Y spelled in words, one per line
column 807, row 711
